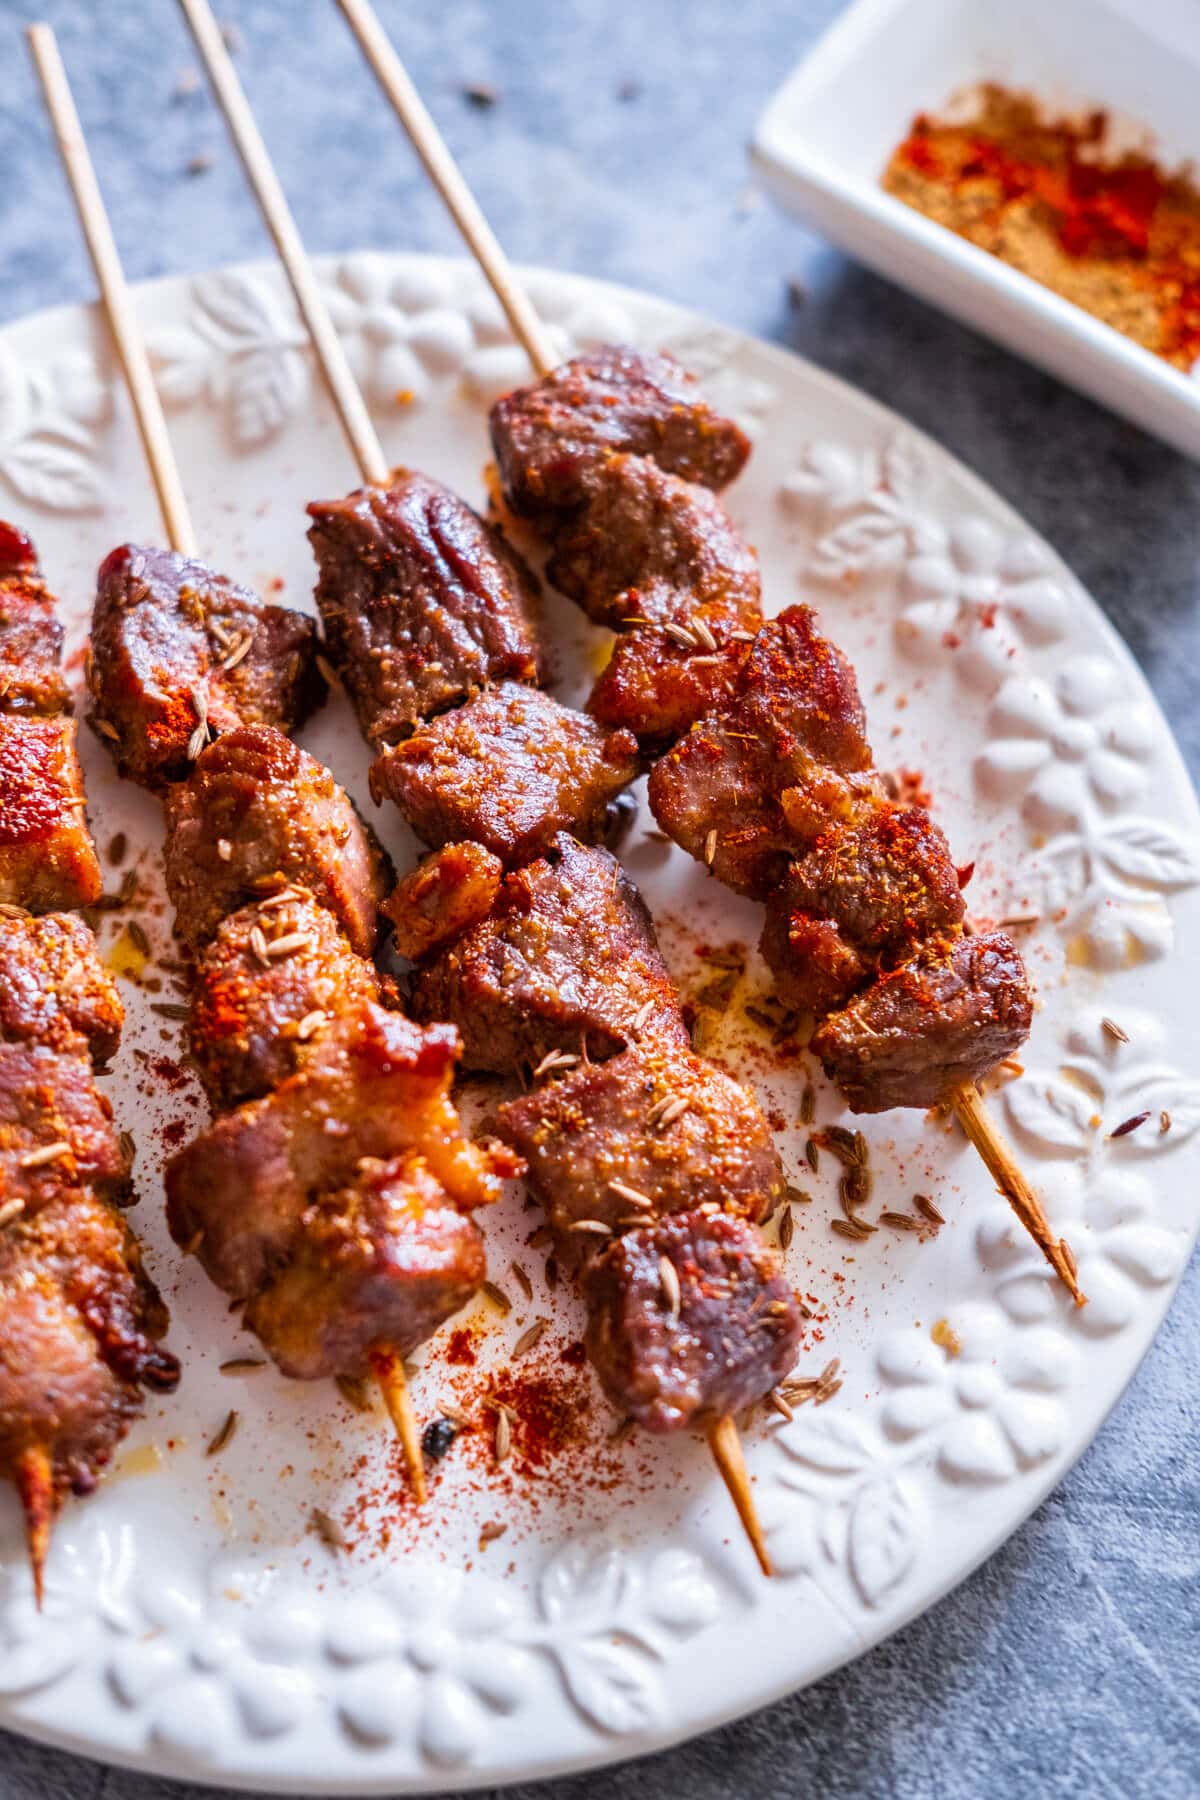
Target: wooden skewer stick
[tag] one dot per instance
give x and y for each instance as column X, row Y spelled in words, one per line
column 726, row 1447
column 387, row 1366
column 975, row 1120
column 35, row 1489
column 344, row 390
column 136, row 365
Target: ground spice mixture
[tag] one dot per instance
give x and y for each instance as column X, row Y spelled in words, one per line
column 1115, row 233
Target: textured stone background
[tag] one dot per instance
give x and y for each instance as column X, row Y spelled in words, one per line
column 1068, row 1665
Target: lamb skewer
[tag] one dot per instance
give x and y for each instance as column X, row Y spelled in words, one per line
column 480, row 734
column 584, row 551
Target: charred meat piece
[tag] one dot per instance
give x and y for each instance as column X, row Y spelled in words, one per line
column 376, row 1087
column 947, row 1016
column 257, row 815
column 55, row 1126
column 768, row 769
column 689, row 1319
column 423, row 603
column 180, row 653
column 550, row 437
column 865, row 893
column 47, row 858
column 54, row 989
column 267, row 987
column 79, row 1330
column 31, row 637
column 567, row 962
column 384, row 1261
column 450, row 891
column 511, row 769
column 647, row 1133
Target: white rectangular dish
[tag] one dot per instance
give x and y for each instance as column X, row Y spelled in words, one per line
column 824, row 139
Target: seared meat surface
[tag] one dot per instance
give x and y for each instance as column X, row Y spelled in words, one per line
column 31, row 637
column 55, row 1126
column 949, row 1015
column 510, row 769
column 257, row 815
column 443, row 896
column 176, row 647
column 711, row 1341
column 567, row 962
column 54, row 989
column 549, row 438
column 267, row 987
column 47, row 858
column 423, row 603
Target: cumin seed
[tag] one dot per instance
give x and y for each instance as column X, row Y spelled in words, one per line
column 10, row 1210
column 170, row 1009
column 925, row 1205
column 812, row 1155
column 634, row 1197
column 224, row 1435
column 310, row 1024
column 497, row 1296
column 710, row 847
column 776, row 1399
column 668, row 1276
column 327, row 1529
column 502, row 1442
column 242, row 1365
column 1128, row 1125
column 138, row 938
column 46, row 1153
column 288, row 946
column 702, row 631
column 596, row 1225
column 522, row 1280
column 899, row 1221
column 529, row 1338
column 787, row 1228
column 858, row 1230
column 808, row 1104
column 106, row 730
column 1111, row 1029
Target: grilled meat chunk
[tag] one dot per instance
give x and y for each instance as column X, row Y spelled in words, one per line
column 713, row 1340
column 55, row 1126
column 267, row 987
column 423, row 603
column 511, row 769
column 550, row 437
column 53, row 987
column 47, row 858
column 384, row 1261
column 258, row 814
column 376, row 1086
column 770, row 767
column 566, row 962
column 947, row 1016
column 450, row 891
column 647, row 1133
column 31, row 637
column 176, row 646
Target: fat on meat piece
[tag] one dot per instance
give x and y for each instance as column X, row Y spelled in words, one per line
column 866, row 894
column 378, row 1086
column 550, row 437
column 31, row 638
column 762, row 775
column 383, row 1261
column 689, row 1318
column 176, row 647
column 510, row 769
column 257, row 815
column 947, row 1016
column 423, row 603
column 566, row 962
column 80, row 1324
column 650, row 1132
column 267, row 987
column 54, row 989
column 55, row 1126
column 48, row 861
column 454, row 888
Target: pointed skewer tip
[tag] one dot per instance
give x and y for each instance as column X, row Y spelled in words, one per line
column 726, row 1447
column 35, row 1486
column 387, row 1366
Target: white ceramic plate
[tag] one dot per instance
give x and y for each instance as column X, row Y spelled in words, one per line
column 194, row 1623
column 824, row 139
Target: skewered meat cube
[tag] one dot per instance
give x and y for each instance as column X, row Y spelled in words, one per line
column 511, row 769
column 647, row 1133
column 55, row 1126
column 768, row 769
column 423, row 603
column 566, row 962
column 713, row 1339
column 258, row 814
column 550, row 437
column 443, row 896
column 266, row 987
column 384, row 1261
column 177, row 648
column 53, row 987
column 947, row 1016
column 31, row 637
column 47, row 858
column 376, row 1086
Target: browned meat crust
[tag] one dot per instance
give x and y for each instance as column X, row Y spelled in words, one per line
column 443, row 896
column 267, row 987
column 948, row 1016
column 31, row 637
column 175, row 646
column 511, row 769
column 55, row 1126
column 549, row 437
column 567, row 961
column 53, row 987
column 710, row 1342
column 423, row 603
column 47, row 858
column 257, row 815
